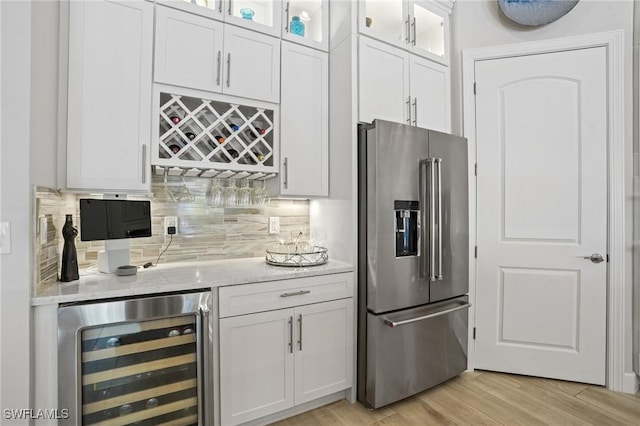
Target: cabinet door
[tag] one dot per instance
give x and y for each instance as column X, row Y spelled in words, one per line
column 256, row 365
column 430, row 94
column 304, row 124
column 257, row 15
column 208, row 8
column 324, row 349
column 109, row 97
column 386, row 20
column 429, row 31
column 251, row 65
column 188, row 50
column 307, row 22
column 383, row 82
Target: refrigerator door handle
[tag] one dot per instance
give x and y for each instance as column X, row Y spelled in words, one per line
column 438, row 163
column 393, row 324
column 432, row 220
column 423, row 168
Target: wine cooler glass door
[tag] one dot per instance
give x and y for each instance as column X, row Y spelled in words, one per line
column 143, row 372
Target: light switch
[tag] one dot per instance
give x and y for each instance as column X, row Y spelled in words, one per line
column 43, row 230
column 5, row 237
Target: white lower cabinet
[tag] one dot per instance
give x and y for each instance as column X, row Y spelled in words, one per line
column 271, row 361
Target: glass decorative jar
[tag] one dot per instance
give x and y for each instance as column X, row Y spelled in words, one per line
column 296, row 26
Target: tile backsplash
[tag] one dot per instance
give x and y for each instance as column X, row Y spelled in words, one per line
column 205, row 232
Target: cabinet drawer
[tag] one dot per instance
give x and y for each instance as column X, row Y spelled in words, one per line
column 266, row 296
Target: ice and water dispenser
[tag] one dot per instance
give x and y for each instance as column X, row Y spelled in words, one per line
column 407, row 227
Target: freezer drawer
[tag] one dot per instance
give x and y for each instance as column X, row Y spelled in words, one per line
column 412, row 350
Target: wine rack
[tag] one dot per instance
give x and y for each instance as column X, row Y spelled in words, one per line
column 195, row 133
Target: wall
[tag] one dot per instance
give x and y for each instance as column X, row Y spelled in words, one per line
column 478, row 24
column 636, row 189
column 205, row 232
column 15, row 267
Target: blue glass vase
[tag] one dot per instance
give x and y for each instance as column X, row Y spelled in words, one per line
column 296, row 26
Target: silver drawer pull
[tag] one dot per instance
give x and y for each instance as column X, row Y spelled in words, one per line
column 297, row 293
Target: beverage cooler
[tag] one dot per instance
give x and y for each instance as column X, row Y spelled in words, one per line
column 143, row 361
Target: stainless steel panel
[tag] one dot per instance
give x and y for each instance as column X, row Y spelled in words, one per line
column 454, row 223
column 74, row 319
column 391, row 172
column 411, row 357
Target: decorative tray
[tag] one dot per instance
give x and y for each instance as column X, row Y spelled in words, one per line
column 296, row 254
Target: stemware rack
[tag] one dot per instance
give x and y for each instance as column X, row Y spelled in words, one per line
column 212, row 138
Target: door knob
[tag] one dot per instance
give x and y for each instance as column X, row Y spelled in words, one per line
column 595, row 258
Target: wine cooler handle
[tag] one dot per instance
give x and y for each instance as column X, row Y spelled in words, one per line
column 228, row 69
column 205, row 414
column 438, row 163
column 144, row 163
column 423, row 167
column 218, row 68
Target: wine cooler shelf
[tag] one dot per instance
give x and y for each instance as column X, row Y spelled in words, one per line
column 203, row 134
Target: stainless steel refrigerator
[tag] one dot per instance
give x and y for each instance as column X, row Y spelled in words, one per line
column 413, row 260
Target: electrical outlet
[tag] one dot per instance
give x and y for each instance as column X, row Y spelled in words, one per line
column 274, row 225
column 170, row 225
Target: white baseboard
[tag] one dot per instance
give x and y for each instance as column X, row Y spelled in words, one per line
column 630, row 383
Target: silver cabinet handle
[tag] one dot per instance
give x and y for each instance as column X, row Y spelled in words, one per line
column 144, row 163
column 595, row 258
column 229, row 6
column 286, row 24
column 432, row 220
column 423, row 167
column 285, row 182
column 415, row 111
column 409, row 108
column 414, row 31
column 300, row 332
column 290, row 335
column 218, row 68
column 392, row 323
column 228, row 69
column 296, row 293
column 408, row 28
column 205, row 414
column 438, row 163
column 220, row 6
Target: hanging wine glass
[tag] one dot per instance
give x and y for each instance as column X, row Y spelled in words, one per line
column 163, row 194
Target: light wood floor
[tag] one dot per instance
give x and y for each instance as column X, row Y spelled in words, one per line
column 485, row 398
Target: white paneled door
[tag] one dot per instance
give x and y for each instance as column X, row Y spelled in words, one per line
column 541, row 128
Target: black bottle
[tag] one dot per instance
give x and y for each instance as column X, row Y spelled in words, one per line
column 69, row 254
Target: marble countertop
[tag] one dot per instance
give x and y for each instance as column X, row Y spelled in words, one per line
column 179, row 277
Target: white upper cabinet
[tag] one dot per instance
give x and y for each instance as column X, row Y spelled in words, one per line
column 203, row 54
column 258, row 15
column 429, row 87
column 398, row 86
column 307, row 22
column 109, row 95
column 251, row 65
column 383, row 82
column 188, row 50
column 304, row 126
column 420, row 26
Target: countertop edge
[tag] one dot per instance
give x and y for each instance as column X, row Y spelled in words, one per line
column 181, row 277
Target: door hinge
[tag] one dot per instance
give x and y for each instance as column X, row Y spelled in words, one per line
column 474, row 87
column 474, row 333
column 476, row 169
column 475, row 252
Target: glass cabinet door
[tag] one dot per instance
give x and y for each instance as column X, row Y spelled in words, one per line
column 387, row 20
column 143, row 373
column 428, row 31
column 306, row 22
column 258, row 15
column 210, row 8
